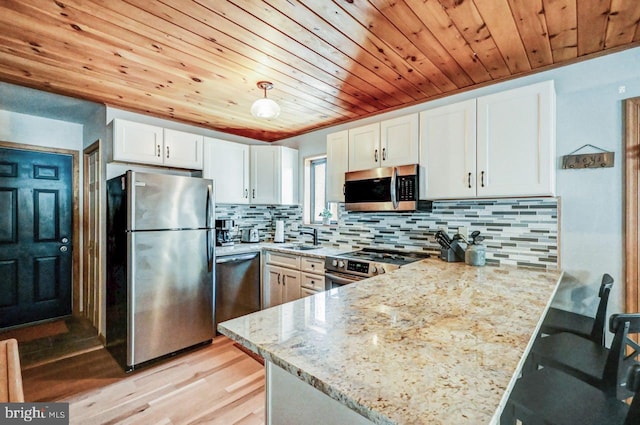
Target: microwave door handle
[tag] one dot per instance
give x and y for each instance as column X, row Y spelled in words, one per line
column 393, row 191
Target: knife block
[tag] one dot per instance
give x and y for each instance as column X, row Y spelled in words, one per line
column 453, row 254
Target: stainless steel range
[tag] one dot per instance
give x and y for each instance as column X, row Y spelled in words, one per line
column 368, row 262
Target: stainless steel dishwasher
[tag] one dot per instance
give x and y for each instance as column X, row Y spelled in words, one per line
column 237, row 285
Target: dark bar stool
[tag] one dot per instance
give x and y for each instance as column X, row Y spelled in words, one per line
column 588, row 360
column 551, row 397
column 557, row 320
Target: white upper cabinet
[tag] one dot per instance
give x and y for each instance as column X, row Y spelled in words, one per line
column 516, row 142
column 136, row 142
column 399, row 141
column 364, row 147
column 499, row 145
column 337, row 164
column 274, row 175
column 384, row 144
column 148, row 144
column 448, row 151
column 182, row 149
column 227, row 163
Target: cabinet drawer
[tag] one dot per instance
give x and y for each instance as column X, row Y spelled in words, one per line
column 305, row 292
column 312, row 281
column 313, row 265
column 284, row 260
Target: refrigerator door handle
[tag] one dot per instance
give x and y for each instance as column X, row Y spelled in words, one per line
column 210, row 250
column 209, row 213
column 209, row 206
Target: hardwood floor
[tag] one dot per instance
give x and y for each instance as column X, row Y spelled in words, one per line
column 216, row 384
column 51, row 341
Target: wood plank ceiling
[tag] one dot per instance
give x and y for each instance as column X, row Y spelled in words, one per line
column 198, row 61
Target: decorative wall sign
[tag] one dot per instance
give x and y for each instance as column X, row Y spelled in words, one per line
column 600, row 159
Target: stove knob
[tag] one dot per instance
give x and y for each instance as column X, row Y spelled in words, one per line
column 374, row 270
column 341, row 264
column 334, row 263
column 381, row 270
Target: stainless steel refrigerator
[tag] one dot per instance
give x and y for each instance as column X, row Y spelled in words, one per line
column 160, row 265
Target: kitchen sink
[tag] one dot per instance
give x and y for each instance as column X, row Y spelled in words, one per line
column 302, row 247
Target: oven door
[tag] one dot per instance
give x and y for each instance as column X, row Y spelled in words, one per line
column 336, row 279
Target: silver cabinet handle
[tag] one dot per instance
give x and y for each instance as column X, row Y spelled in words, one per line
column 384, row 154
column 158, row 151
column 167, row 151
column 482, row 178
column 375, row 155
column 469, row 180
column 278, row 278
column 253, row 193
column 246, row 193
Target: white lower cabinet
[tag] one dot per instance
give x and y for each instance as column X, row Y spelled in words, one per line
column 311, row 276
column 288, row 277
column 282, row 285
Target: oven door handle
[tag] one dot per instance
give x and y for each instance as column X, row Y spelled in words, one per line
column 339, row 279
column 393, row 189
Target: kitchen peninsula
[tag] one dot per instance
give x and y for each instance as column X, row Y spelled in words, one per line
column 433, row 342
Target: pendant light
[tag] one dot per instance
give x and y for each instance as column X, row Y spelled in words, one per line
column 265, row 108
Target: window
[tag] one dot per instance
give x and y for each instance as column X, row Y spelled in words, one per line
column 315, row 195
column 317, row 183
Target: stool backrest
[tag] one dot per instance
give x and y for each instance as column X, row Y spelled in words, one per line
column 597, row 332
column 633, row 384
column 622, row 325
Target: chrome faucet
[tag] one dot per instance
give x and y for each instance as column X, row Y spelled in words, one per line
column 313, row 233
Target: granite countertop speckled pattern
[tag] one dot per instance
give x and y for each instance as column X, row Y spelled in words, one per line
column 240, row 248
column 431, row 343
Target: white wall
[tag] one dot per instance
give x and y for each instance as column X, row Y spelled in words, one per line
column 589, row 111
column 32, row 130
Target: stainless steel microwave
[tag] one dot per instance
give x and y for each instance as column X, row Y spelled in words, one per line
column 384, row 189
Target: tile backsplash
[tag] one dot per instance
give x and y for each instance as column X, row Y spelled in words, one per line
column 517, row 231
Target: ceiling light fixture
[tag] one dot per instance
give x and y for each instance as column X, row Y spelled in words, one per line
column 265, row 108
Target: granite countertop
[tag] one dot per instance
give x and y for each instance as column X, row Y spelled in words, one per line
column 240, row 248
column 431, row 343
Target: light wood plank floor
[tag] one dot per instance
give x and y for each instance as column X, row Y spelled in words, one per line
column 217, row 384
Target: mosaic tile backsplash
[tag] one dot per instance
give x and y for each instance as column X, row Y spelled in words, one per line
column 520, row 232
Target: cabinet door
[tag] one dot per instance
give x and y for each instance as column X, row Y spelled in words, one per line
column 516, row 139
column 227, row 163
column 364, row 147
column 183, row 150
column 337, row 165
column 265, row 175
column 290, row 285
column 272, row 286
column 136, row 142
column 448, row 151
column 399, row 141
column 288, row 176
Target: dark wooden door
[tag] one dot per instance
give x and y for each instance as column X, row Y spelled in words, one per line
column 35, row 236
